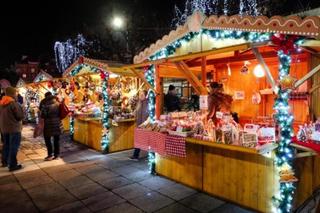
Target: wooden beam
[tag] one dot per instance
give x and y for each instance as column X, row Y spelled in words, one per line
column 204, row 71
column 189, row 78
column 193, row 79
column 314, row 88
column 190, row 56
column 307, row 76
column 241, row 58
column 141, row 76
column 265, row 67
column 159, row 92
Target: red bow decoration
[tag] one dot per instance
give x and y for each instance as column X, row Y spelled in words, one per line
column 103, row 75
column 284, row 42
column 81, row 59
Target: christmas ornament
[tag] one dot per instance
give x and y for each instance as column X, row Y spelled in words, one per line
column 284, row 43
column 287, row 82
column 256, row 98
column 302, row 135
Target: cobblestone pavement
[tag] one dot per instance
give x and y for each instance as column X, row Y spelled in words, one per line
column 86, row 181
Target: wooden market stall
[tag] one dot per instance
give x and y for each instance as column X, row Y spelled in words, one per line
column 229, row 50
column 121, row 87
column 33, row 93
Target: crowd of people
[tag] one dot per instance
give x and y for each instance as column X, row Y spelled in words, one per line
column 11, row 117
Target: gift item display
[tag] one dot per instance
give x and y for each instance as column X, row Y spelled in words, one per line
column 124, row 98
column 309, row 132
column 224, row 131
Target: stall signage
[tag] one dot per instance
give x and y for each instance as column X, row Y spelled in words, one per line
column 203, row 102
column 239, row 95
column 266, row 135
column 251, row 128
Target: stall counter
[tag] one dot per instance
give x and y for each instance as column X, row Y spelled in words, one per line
column 236, row 174
column 88, row 132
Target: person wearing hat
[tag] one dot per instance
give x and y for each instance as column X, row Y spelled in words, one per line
column 11, row 116
column 171, row 100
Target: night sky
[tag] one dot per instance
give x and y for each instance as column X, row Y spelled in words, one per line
column 31, row 27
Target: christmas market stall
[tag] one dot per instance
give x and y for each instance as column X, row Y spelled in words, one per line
column 33, row 93
column 260, row 77
column 102, row 99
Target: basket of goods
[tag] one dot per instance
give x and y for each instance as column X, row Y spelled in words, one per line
column 248, row 140
column 183, row 131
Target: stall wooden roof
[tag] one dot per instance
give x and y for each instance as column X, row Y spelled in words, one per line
column 293, row 25
column 110, row 66
column 42, row 77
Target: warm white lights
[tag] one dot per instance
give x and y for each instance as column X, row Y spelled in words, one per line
column 258, row 71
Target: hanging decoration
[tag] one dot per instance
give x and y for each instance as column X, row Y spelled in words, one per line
column 67, row 52
column 288, row 82
column 212, row 7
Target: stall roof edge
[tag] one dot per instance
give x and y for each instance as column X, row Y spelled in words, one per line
column 293, row 25
column 110, row 66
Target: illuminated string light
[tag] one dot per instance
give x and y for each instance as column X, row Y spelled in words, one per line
column 67, row 52
column 211, row 7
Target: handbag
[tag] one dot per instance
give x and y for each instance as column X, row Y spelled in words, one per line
column 63, row 111
column 38, row 130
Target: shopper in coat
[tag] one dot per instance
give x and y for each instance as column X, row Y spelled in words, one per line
column 50, row 112
column 141, row 115
column 11, row 116
column 171, row 100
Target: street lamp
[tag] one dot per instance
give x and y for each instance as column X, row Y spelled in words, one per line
column 118, row 22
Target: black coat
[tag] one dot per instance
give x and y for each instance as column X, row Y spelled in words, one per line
column 172, row 103
column 50, row 112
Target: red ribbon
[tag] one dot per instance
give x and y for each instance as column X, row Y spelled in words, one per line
column 284, row 42
column 103, row 75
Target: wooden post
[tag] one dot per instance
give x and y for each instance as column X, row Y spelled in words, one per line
column 159, row 91
column 204, row 71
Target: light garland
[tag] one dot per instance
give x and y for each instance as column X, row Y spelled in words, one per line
column 104, row 75
column 214, row 34
column 149, row 75
column 152, row 162
column 105, row 112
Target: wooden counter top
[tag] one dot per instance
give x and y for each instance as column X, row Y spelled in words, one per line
column 222, row 146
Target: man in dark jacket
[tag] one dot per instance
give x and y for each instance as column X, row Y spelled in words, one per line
column 50, row 112
column 171, row 100
column 11, row 116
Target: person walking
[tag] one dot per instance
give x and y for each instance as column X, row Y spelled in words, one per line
column 11, row 116
column 50, row 112
column 171, row 100
column 141, row 115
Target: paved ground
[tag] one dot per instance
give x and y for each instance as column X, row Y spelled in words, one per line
column 86, row 181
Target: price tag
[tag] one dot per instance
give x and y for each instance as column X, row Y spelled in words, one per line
column 203, row 102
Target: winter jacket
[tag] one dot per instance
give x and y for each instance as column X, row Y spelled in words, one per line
column 11, row 115
column 172, row 103
column 142, row 112
column 50, row 112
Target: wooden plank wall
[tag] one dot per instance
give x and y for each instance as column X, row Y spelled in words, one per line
column 250, row 84
column 315, row 106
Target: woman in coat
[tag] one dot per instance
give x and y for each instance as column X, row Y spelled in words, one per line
column 50, row 112
column 141, row 115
